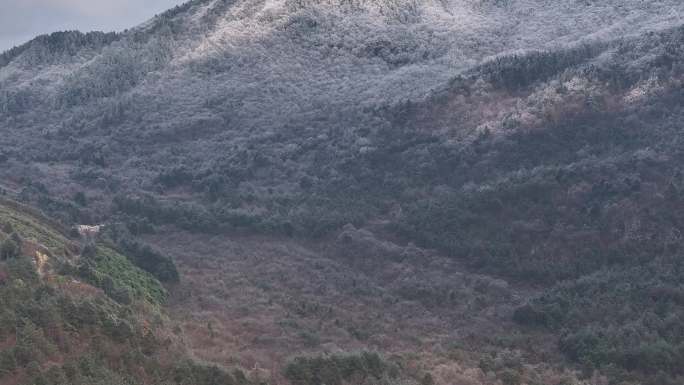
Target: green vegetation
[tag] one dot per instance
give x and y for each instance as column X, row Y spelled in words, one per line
column 114, row 273
column 42, row 318
column 142, row 255
column 32, row 225
column 58, row 331
column 191, row 373
column 362, row 368
column 629, row 318
column 520, row 71
column 10, row 247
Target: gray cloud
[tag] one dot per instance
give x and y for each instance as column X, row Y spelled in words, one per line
column 21, row 20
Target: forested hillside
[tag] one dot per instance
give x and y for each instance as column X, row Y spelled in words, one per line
column 410, row 191
column 76, row 311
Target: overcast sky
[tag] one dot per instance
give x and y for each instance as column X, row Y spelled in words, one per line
column 21, row 20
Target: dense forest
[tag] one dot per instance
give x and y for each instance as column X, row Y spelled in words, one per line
column 352, row 192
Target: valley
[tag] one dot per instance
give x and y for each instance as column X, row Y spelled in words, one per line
column 266, row 299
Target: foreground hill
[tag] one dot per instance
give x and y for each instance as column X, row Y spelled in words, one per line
column 486, row 191
column 82, row 313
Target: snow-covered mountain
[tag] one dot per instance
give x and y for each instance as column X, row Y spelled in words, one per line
column 288, row 58
column 507, row 170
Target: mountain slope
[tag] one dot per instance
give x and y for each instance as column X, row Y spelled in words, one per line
column 72, row 317
column 445, row 153
column 220, row 76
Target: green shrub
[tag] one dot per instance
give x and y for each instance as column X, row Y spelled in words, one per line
column 8, row 362
column 338, row 369
column 9, row 249
column 150, row 260
column 23, row 268
column 191, row 373
column 119, row 277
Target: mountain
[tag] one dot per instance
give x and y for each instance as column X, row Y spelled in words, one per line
column 466, row 191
